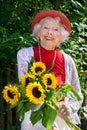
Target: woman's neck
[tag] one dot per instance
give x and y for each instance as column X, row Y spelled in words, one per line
column 47, row 47
column 40, row 55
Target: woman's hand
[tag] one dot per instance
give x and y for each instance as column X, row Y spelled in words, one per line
column 55, row 128
column 63, row 111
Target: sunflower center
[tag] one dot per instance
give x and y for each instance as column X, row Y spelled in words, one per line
column 49, row 81
column 38, row 69
column 27, row 81
column 36, row 92
column 11, row 94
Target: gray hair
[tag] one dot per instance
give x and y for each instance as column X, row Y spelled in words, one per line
column 64, row 33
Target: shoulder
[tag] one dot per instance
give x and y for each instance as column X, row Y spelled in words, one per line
column 68, row 59
column 25, row 51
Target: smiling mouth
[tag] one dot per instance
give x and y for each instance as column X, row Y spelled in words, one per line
column 48, row 38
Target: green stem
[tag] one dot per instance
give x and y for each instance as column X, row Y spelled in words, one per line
column 71, row 125
column 68, row 122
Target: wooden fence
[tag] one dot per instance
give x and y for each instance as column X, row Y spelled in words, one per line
column 8, row 117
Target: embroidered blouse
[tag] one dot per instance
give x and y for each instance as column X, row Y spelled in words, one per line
column 71, row 76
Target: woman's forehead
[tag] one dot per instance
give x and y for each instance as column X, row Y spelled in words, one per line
column 50, row 22
column 48, row 19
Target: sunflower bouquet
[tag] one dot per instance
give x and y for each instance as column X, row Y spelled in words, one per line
column 38, row 87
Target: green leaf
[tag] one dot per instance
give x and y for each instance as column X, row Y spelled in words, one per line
column 49, row 93
column 21, row 111
column 36, row 116
column 68, row 90
column 50, row 67
column 27, row 105
column 23, row 104
column 49, row 115
column 22, row 108
column 20, row 105
column 73, row 93
column 31, row 63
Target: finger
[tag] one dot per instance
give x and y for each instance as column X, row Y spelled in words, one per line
column 55, row 128
column 63, row 111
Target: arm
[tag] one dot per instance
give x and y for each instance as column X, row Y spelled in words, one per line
column 74, row 81
column 70, row 107
column 23, row 57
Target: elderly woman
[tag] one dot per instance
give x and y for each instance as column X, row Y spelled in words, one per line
column 51, row 28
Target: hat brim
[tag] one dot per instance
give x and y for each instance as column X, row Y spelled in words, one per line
column 52, row 13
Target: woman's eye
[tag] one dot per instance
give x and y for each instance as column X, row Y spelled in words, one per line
column 45, row 27
column 55, row 29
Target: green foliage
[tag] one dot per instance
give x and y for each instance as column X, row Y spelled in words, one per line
column 76, row 45
column 15, row 29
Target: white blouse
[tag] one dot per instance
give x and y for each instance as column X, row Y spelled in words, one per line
column 23, row 57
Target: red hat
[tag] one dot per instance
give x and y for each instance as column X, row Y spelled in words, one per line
column 52, row 13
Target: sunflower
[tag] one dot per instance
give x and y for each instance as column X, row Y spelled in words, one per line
column 49, row 80
column 38, row 68
column 35, row 92
column 11, row 94
column 25, row 79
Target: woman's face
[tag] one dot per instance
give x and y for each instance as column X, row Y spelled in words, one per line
column 50, row 34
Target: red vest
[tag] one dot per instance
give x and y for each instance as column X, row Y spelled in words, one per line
column 47, row 57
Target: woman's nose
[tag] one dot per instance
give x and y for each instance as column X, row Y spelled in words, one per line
column 50, row 31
